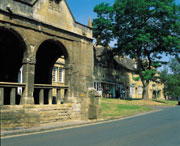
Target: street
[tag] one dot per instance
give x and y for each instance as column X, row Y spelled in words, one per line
column 160, row 128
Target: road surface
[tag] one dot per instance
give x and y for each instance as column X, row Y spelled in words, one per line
column 154, row 129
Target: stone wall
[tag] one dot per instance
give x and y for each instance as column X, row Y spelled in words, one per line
column 34, row 115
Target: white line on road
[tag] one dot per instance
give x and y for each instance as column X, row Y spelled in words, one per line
column 78, row 126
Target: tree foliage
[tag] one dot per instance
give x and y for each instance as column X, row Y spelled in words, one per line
column 171, row 80
column 143, row 30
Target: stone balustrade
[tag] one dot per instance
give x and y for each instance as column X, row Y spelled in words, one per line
column 9, row 93
column 43, row 94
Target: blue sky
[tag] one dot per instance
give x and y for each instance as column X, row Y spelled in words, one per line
column 82, row 9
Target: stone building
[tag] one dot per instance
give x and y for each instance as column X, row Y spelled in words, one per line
column 111, row 74
column 114, row 76
column 155, row 89
column 33, row 35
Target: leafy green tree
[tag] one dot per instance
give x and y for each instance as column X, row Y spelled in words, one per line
column 143, row 29
column 171, row 80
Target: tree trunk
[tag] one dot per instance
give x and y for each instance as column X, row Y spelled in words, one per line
column 145, row 94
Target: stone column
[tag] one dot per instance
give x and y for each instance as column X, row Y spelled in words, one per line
column 50, row 96
column 58, row 96
column 41, row 96
column 28, row 79
column 1, row 96
column 13, row 96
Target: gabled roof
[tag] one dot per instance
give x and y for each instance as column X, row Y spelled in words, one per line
column 125, row 62
column 101, row 50
column 55, row 13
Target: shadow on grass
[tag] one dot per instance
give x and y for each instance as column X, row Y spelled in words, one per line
column 131, row 99
column 159, row 101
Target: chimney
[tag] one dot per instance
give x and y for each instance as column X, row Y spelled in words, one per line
column 89, row 22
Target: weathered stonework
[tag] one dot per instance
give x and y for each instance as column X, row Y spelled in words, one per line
column 41, row 31
column 95, row 111
column 34, row 115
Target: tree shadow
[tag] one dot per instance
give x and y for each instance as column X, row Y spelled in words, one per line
column 131, row 99
column 159, row 101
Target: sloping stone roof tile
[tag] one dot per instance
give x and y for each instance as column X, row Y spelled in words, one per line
column 126, row 63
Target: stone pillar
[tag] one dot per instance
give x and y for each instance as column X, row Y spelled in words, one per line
column 50, row 96
column 94, row 111
column 41, row 96
column 13, row 96
column 1, row 96
column 58, row 96
column 28, row 79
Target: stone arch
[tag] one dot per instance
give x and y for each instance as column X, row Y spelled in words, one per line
column 12, row 51
column 46, row 56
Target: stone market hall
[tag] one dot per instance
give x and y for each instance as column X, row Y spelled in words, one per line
column 34, row 34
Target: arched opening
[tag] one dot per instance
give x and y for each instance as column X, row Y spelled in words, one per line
column 51, row 59
column 12, row 49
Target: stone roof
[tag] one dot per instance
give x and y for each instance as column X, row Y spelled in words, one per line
column 125, row 62
column 100, row 50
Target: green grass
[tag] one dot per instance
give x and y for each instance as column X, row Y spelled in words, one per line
column 166, row 102
column 115, row 108
column 112, row 110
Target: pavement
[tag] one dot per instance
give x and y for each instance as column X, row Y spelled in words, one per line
column 65, row 124
column 43, row 127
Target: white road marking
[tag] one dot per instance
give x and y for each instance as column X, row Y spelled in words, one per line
column 78, row 126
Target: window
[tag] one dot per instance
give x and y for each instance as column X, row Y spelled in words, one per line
column 20, row 80
column 20, row 75
column 95, row 85
column 61, row 75
column 132, row 90
column 99, row 87
column 139, row 90
column 54, row 74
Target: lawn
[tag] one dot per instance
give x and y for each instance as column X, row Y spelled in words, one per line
column 115, row 108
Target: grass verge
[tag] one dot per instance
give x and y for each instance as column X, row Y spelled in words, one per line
column 115, row 108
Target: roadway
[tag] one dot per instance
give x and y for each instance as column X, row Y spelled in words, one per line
column 160, row 128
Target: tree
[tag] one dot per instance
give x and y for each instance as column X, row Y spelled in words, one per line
column 171, row 80
column 143, row 30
